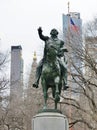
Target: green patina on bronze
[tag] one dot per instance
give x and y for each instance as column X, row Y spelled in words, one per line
column 52, row 68
column 49, row 110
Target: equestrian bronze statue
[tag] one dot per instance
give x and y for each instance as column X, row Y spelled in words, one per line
column 52, row 68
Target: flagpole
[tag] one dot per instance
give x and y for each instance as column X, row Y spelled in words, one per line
column 68, row 21
column 68, row 7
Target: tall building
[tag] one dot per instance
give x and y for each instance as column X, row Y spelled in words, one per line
column 72, row 25
column 72, row 35
column 16, row 79
column 72, row 31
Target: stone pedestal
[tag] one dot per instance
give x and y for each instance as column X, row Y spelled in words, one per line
column 50, row 121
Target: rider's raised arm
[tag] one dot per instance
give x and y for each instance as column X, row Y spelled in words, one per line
column 42, row 37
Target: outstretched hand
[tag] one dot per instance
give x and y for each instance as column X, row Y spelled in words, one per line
column 39, row 29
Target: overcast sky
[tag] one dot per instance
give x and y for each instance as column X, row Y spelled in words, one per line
column 19, row 20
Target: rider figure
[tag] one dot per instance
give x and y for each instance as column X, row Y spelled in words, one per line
column 59, row 46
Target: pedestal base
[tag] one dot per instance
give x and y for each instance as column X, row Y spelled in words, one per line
column 50, row 121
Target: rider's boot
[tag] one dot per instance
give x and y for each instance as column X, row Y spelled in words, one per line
column 35, row 84
column 37, row 78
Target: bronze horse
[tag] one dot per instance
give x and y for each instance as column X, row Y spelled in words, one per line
column 51, row 76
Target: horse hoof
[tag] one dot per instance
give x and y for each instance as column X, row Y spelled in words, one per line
column 57, row 98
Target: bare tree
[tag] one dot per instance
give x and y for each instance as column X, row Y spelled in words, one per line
column 4, row 86
column 83, row 80
column 3, row 68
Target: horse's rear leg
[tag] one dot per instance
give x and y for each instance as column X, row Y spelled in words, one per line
column 45, row 99
column 57, row 97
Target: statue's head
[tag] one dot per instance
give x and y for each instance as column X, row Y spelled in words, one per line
column 54, row 32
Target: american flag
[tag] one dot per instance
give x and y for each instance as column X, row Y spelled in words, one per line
column 74, row 27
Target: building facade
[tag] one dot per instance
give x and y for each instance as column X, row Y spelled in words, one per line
column 72, row 35
column 16, row 78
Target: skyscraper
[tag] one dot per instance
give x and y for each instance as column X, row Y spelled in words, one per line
column 72, row 35
column 72, row 29
column 16, row 79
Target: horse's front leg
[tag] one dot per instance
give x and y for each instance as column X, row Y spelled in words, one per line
column 44, row 86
